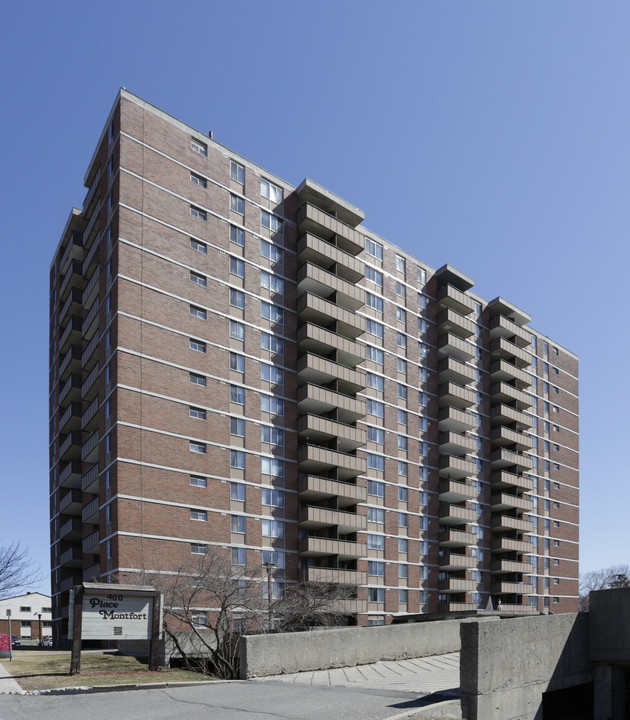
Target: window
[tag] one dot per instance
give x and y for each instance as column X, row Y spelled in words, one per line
column 374, row 276
column 376, row 542
column 198, row 246
column 237, row 267
column 237, row 523
column 556, row 409
column 271, row 312
column 376, row 595
column 271, row 252
column 272, row 528
column 272, row 405
column 198, row 213
column 271, row 282
column 401, row 265
column 273, row 344
column 198, row 549
column 274, row 558
column 376, row 435
column 237, row 204
column 198, row 279
column 237, row 330
column 237, row 394
column 374, row 381
column 197, row 345
column 239, row 556
column 272, row 467
column 403, row 494
column 403, row 545
column 271, row 222
column 374, row 249
column 237, row 298
column 403, row 571
column 402, row 391
column 423, row 350
column 422, row 301
column 237, row 172
column 237, row 492
column 271, row 192
column 237, row 235
column 199, row 515
column 272, row 498
column 401, row 340
column 199, row 147
column 375, row 408
column 376, row 488
column 198, row 312
column 271, row 374
column 237, row 459
column 401, row 365
column 272, row 435
column 197, row 379
column 197, row 447
column 198, row 180
column 25, row 608
column 402, row 417
column 374, row 302
column 376, row 515
column 198, row 481
column 376, row 355
column 374, row 328
column 403, row 520
column 402, row 442
column 237, row 427
column 237, row 362
column 422, row 276
column 401, row 291
column 555, row 389
column 377, row 568
column 197, row 413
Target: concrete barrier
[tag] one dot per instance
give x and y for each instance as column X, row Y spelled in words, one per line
column 281, row 653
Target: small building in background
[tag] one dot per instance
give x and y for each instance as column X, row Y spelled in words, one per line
column 31, row 616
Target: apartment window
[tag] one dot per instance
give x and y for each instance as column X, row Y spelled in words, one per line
column 375, row 408
column 108, row 409
column 108, row 304
column 401, row 265
column 556, row 447
column 422, row 276
column 422, row 325
column 237, row 267
column 198, row 481
column 402, row 417
column 196, row 379
column 376, row 595
column 374, row 381
column 271, row 222
column 374, row 302
column 555, row 389
column 401, row 290
column 272, row 498
column 237, row 298
column 237, row 204
column 403, row 596
column 403, row 468
column 237, row 459
column 239, row 556
column 272, row 435
column 374, row 276
column 403, row 545
column 403, row 494
column 554, row 370
column 198, row 279
column 402, row 391
column 376, row 488
column 237, row 523
column 556, row 428
column 376, row 435
column 402, row 442
column 237, row 394
column 271, row 374
column 198, row 549
column 271, row 343
column 376, row 515
column 556, row 409
column 198, row 180
column 197, row 345
column 237, row 492
column 110, row 269
column 270, row 251
column 272, row 467
column 237, row 362
column 237, row 330
column 401, row 340
column 272, row 313
column 422, row 301
column 198, row 213
column 198, row 312
column 374, row 328
column 237, row 172
column 25, row 609
column 237, row 427
column 237, row 235
column 376, row 542
column 271, row 192
column 401, row 365
column 199, row 515
column 376, row 568
column 272, row 528
column 197, row 447
column 423, row 350
column 272, row 405
column 198, row 413
column 375, row 462
column 374, row 354
column 423, row 399
column 199, row 147
column 274, row 558
column 271, row 282
column 403, row 571
column 198, row 246
column 374, row 249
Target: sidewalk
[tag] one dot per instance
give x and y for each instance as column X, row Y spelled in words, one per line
column 7, row 683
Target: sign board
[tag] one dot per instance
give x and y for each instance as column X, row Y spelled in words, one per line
column 5, row 642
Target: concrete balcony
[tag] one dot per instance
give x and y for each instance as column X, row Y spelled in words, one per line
column 92, row 573
column 449, row 321
column 317, row 489
column 504, row 480
column 312, row 308
column 69, row 583
column 503, row 371
column 512, row 588
column 313, row 279
column 91, row 289
column 458, row 607
column 333, row 575
column 320, row 252
column 455, row 515
column 71, row 335
column 451, row 443
column 89, row 451
column 313, row 516
column 504, row 415
column 71, row 362
column 89, row 417
column 89, row 356
column 70, row 476
column 72, row 557
column 71, row 418
column 320, row 341
column 71, row 529
column 89, row 513
column 503, row 458
column 320, row 430
column 92, row 194
column 503, row 523
column 454, row 492
column 311, row 219
column 503, row 435
column 73, row 251
column 91, row 258
column 311, row 192
column 91, row 543
column 501, row 306
column 507, row 544
column 319, row 401
column 503, row 349
column 73, row 278
column 503, row 502
column 504, row 393
column 72, row 306
column 500, row 326
column 90, row 321
column 449, row 537
column 456, row 561
column 70, row 503
column 70, row 390
column 451, row 346
column 320, row 547
column 457, row 585
column 350, row 607
column 455, row 468
column 90, row 386
column 70, row 448
column 450, row 297
column 313, row 459
column 518, row 609
column 451, row 370
column 455, row 420
column 450, row 393
column 89, row 480
column 511, row 566
column 315, row 369
column 93, row 226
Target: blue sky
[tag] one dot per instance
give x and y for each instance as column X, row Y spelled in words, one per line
column 490, row 135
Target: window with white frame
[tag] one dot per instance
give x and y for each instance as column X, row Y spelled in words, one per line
column 270, row 191
column 374, row 249
column 237, row 330
column 198, row 279
column 271, row 252
column 237, row 235
column 198, row 213
column 197, row 345
column 237, row 204
column 199, row 147
column 271, row 312
column 273, row 467
column 237, row 172
column 271, row 282
column 271, row 374
column 271, row 222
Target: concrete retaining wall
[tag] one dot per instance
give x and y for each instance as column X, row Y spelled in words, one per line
column 322, row 649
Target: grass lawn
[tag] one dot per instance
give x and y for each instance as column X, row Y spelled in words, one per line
column 40, row 670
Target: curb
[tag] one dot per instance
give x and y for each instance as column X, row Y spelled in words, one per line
column 87, row 689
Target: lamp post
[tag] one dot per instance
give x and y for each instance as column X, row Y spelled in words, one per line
column 39, row 617
column 269, row 567
column 10, row 637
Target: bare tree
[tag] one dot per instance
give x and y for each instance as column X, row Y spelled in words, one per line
column 17, row 570
column 612, row 577
column 312, row 604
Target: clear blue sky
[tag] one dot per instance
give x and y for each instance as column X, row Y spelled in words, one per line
column 494, row 136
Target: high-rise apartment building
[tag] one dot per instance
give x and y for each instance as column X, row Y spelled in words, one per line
column 239, row 363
